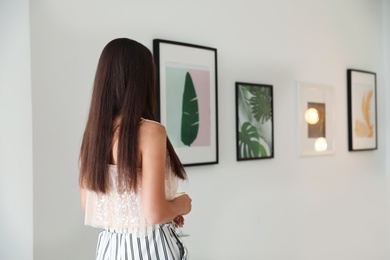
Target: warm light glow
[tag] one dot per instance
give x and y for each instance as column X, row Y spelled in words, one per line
column 311, row 116
column 320, row 144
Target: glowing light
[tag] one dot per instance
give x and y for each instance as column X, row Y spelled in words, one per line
column 320, row 144
column 311, row 116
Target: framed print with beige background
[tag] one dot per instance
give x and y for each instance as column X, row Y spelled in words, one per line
column 362, row 114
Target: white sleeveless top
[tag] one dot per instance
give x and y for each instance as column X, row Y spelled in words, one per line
column 122, row 212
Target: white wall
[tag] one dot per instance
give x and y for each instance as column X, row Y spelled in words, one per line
column 332, row 207
column 386, row 61
column 16, row 176
column 386, row 44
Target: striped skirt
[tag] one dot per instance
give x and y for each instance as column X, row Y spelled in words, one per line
column 162, row 244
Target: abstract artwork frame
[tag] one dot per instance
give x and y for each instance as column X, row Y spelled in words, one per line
column 362, row 110
column 316, row 119
column 187, row 95
column 254, row 121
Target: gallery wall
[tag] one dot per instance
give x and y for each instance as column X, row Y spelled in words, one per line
column 386, row 55
column 288, row 207
column 386, row 60
column 16, row 175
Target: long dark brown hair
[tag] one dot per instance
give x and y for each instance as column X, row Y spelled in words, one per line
column 124, row 89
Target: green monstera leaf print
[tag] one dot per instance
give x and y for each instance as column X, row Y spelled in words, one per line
column 249, row 145
column 260, row 104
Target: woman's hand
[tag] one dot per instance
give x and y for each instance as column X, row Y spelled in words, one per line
column 179, row 221
column 185, row 203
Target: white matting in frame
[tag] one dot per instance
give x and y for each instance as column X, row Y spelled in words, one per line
column 184, row 68
column 315, row 119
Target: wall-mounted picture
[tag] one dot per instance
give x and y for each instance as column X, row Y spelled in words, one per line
column 362, row 115
column 315, row 119
column 254, row 121
column 187, row 92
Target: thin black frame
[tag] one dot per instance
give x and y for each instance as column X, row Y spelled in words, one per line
column 272, row 150
column 157, row 43
column 351, row 98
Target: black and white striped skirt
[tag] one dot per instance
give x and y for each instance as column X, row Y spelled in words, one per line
column 162, row 244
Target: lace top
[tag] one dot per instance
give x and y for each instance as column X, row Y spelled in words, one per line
column 123, row 211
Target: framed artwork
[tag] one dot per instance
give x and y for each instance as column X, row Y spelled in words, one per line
column 362, row 114
column 316, row 119
column 187, row 95
column 254, row 121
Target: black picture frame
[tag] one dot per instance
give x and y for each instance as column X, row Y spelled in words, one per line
column 187, row 90
column 362, row 110
column 254, row 121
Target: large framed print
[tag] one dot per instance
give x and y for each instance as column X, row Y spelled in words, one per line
column 362, row 114
column 254, row 121
column 187, row 95
column 315, row 119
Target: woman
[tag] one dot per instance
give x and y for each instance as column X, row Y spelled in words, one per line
column 128, row 168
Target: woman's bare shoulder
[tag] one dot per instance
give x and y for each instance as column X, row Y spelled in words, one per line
column 150, row 127
column 151, row 136
column 148, row 121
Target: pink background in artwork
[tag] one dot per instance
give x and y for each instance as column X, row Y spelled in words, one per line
column 201, row 80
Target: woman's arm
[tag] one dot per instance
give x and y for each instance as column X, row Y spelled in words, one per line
column 156, row 208
column 83, row 193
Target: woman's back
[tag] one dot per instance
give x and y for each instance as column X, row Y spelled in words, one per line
column 128, row 168
column 123, row 210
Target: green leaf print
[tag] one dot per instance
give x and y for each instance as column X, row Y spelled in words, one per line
column 190, row 113
column 249, row 141
column 260, row 104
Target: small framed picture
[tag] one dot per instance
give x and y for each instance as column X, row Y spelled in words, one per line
column 187, row 95
column 254, row 121
column 315, row 119
column 362, row 114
